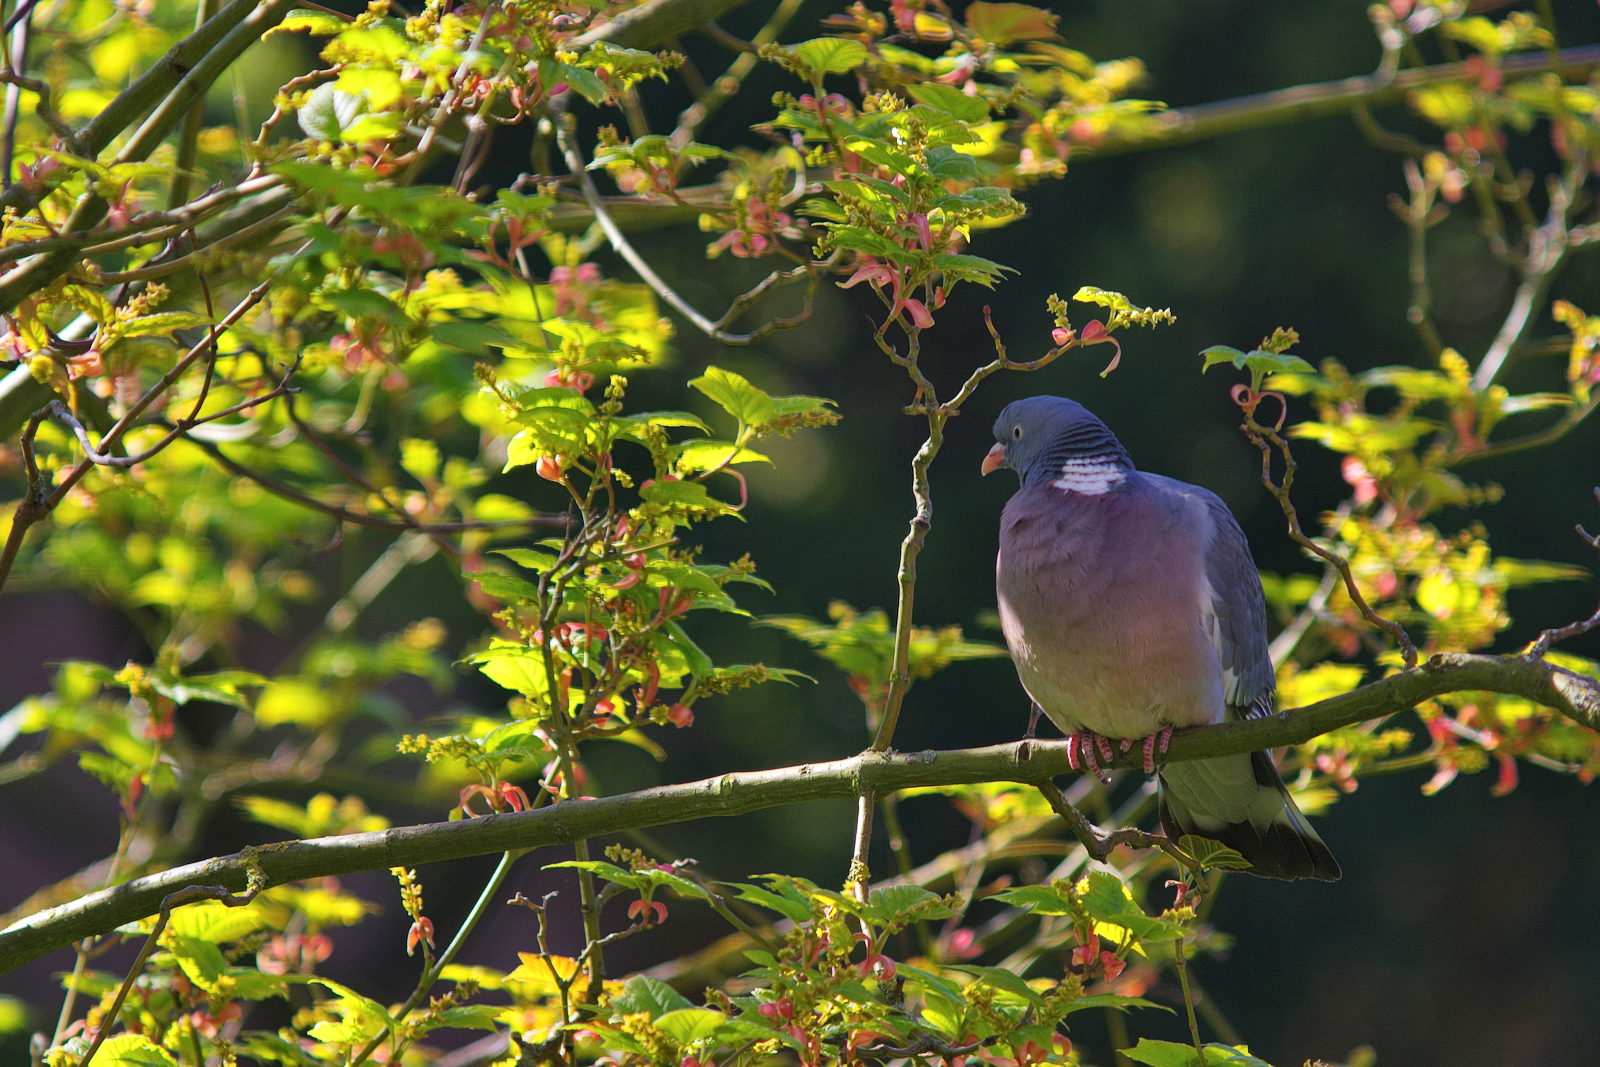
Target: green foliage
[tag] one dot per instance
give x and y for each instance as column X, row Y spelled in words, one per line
column 317, row 354
column 862, row 645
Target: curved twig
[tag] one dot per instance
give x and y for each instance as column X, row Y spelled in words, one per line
column 620, row 243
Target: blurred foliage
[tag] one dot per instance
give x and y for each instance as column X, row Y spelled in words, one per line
column 231, row 345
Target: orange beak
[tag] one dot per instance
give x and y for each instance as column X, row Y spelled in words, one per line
column 994, row 460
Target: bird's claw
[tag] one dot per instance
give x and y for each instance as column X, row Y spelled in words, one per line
column 1083, row 745
column 1162, row 738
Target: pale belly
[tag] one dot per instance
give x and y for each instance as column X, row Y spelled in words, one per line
column 1113, row 677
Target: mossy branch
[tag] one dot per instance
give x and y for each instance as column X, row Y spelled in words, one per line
column 1028, row 762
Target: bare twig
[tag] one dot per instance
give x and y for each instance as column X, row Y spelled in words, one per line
column 30, row 511
column 173, row 900
column 1188, row 1000
column 432, row 975
column 1302, row 102
column 16, row 63
column 173, row 266
column 724, row 88
column 189, row 136
column 1547, row 250
column 1556, row 634
column 1098, row 843
column 620, row 243
column 1419, row 216
column 1267, row 439
column 357, row 518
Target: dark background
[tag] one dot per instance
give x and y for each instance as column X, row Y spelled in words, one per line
column 1465, row 930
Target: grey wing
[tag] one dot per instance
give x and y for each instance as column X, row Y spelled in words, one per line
column 1238, row 615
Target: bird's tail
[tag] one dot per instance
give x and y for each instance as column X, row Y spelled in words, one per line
column 1241, row 802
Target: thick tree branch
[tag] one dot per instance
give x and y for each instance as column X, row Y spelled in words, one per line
column 35, row 273
column 1030, row 762
column 1320, row 99
column 655, row 22
column 1179, row 126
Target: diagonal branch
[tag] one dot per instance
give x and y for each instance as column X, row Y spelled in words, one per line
column 1301, row 103
column 1028, row 762
column 716, row 330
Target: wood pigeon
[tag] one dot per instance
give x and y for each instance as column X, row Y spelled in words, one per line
column 1132, row 606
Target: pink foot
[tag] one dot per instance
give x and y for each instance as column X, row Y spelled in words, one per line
column 1082, row 745
column 1161, row 737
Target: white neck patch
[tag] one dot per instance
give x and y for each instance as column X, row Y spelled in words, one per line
column 1090, row 475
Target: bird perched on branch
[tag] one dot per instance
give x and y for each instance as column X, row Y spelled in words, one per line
column 1132, row 606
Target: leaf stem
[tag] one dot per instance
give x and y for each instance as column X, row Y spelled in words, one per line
column 432, row 974
column 1188, row 1001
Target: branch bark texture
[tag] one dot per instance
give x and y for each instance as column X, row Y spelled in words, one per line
column 1574, row 695
column 1321, row 99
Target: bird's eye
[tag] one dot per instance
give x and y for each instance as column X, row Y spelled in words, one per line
column 1016, row 432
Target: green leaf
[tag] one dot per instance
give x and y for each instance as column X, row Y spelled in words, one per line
column 13, row 1015
column 504, row 586
column 1001, row 24
column 736, row 396
column 1208, row 853
column 945, row 98
column 133, row 1050
column 327, row 112
column 1172, row 1054
column 1104, row 297
column 792, row 910
column 699, row 664
column 831, row 55
column 365, row 304
column 689, row 1024
column 200, row 960
column 887, row 904
column 318, row 23
column 651, row 995
column 948, row 165
column 465, row 1017
column 1040, row 899
column 1000, row 978
column 247, row 983
column 1275, row 362
column 159, row 323
column 861, row 239
column 668, row 418
column 584, row 81
column 1113, row 1000
column 1108, row 900
column 1517, row 572
column 971, row 268
column 936, row 985
column 610, row 872
column 219, row 688
column 684, row 495
column 214, row 922
column 705, row 455
column 515, row 667
column 1221, row 354
column 381, row 87
column 530, row 558
column 295, row 700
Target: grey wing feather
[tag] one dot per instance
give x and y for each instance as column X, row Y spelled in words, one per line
column 1239, row 615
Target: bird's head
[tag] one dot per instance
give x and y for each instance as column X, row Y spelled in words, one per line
column 1050, row 439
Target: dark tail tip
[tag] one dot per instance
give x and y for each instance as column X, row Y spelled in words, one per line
column 1287, row 848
